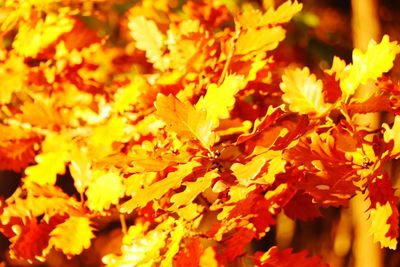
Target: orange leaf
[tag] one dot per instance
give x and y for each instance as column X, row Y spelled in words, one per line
column 185, row 120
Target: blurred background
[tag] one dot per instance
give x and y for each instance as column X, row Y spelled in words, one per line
column 323, row 29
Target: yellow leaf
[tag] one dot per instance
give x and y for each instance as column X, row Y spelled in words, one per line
column 12, row 77
column 393, row 134
column 158, row 189
column 31, row 40
column 149, row 38
column 257, row 40
column 141, row 247
column 379, row 227
column 208, row 258
column 370, row 65
column 245, row 173
column 173, row 246
column 80, row 168
column 106, row 189
column 185, row 120
column 103, row 136
column 72, row 236
column 192, row 190
column 129, row 95
column 254, row 18
column 52, row 160
column 303, row 92
column 219, row 100
column 36, row 202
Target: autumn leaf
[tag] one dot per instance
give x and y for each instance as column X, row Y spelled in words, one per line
column 158, row 189
column 52, row 160
column 105, row 189
column 253, row 18
column 72, row 236
column 301, row 206
column 393, row 134
column 260, row 125
column 190, row 255
column 185, row 120
column 366, row 66
column 80, row 168
column 30, row 40
column 303, row 92
column 383, row 212
column 144, row 248
column 149, row 38
column 174, row 245
column 235, row 245
column 259, row 40
column 34, row 238
column 13, row 73
column 286, row 258
column 192, row 190
column 219, row 100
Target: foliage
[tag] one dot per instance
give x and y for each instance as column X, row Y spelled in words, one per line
column 189, row 126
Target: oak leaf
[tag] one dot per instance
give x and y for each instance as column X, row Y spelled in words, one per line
column 366, row 66
column 158, row 189
column 185, row 120
column 303, row 92
column 193, row 189
column 286, row 258
column 253, row 18
column 72, row 236
column 150, row 39
column 105, row 189
column 219, row 100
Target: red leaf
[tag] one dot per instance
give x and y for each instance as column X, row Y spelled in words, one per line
column 301, row 207
column 377, row 103
column 382, row 192
column 235, row 244
column 331, row 88
column 286, row 258
column 190, row 255
column 79, row 37
column 259, row 126
column 34, row 238
column 17, row 155
column 257, row 205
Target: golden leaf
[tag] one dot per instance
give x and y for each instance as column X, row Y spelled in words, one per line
column 31, row 40
column 219, row 100
column 185, row 120
column 253, row 18
column 259, row 40
column 173, row 247
column 379, row 226
column 303, row 92
column 367, row 66
column 192, row 190
column 393, row 134
column 208, row 258
column 12, row 77
column 149, row 38
column 105, row 189
column 52, row 160
column 141, row 247
column 158, row 189
column 72, row 236
column 129, row 95
column 80, row 168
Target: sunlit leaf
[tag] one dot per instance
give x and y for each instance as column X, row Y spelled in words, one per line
column 72, row 236
column 303, row 92
column 185, row 120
